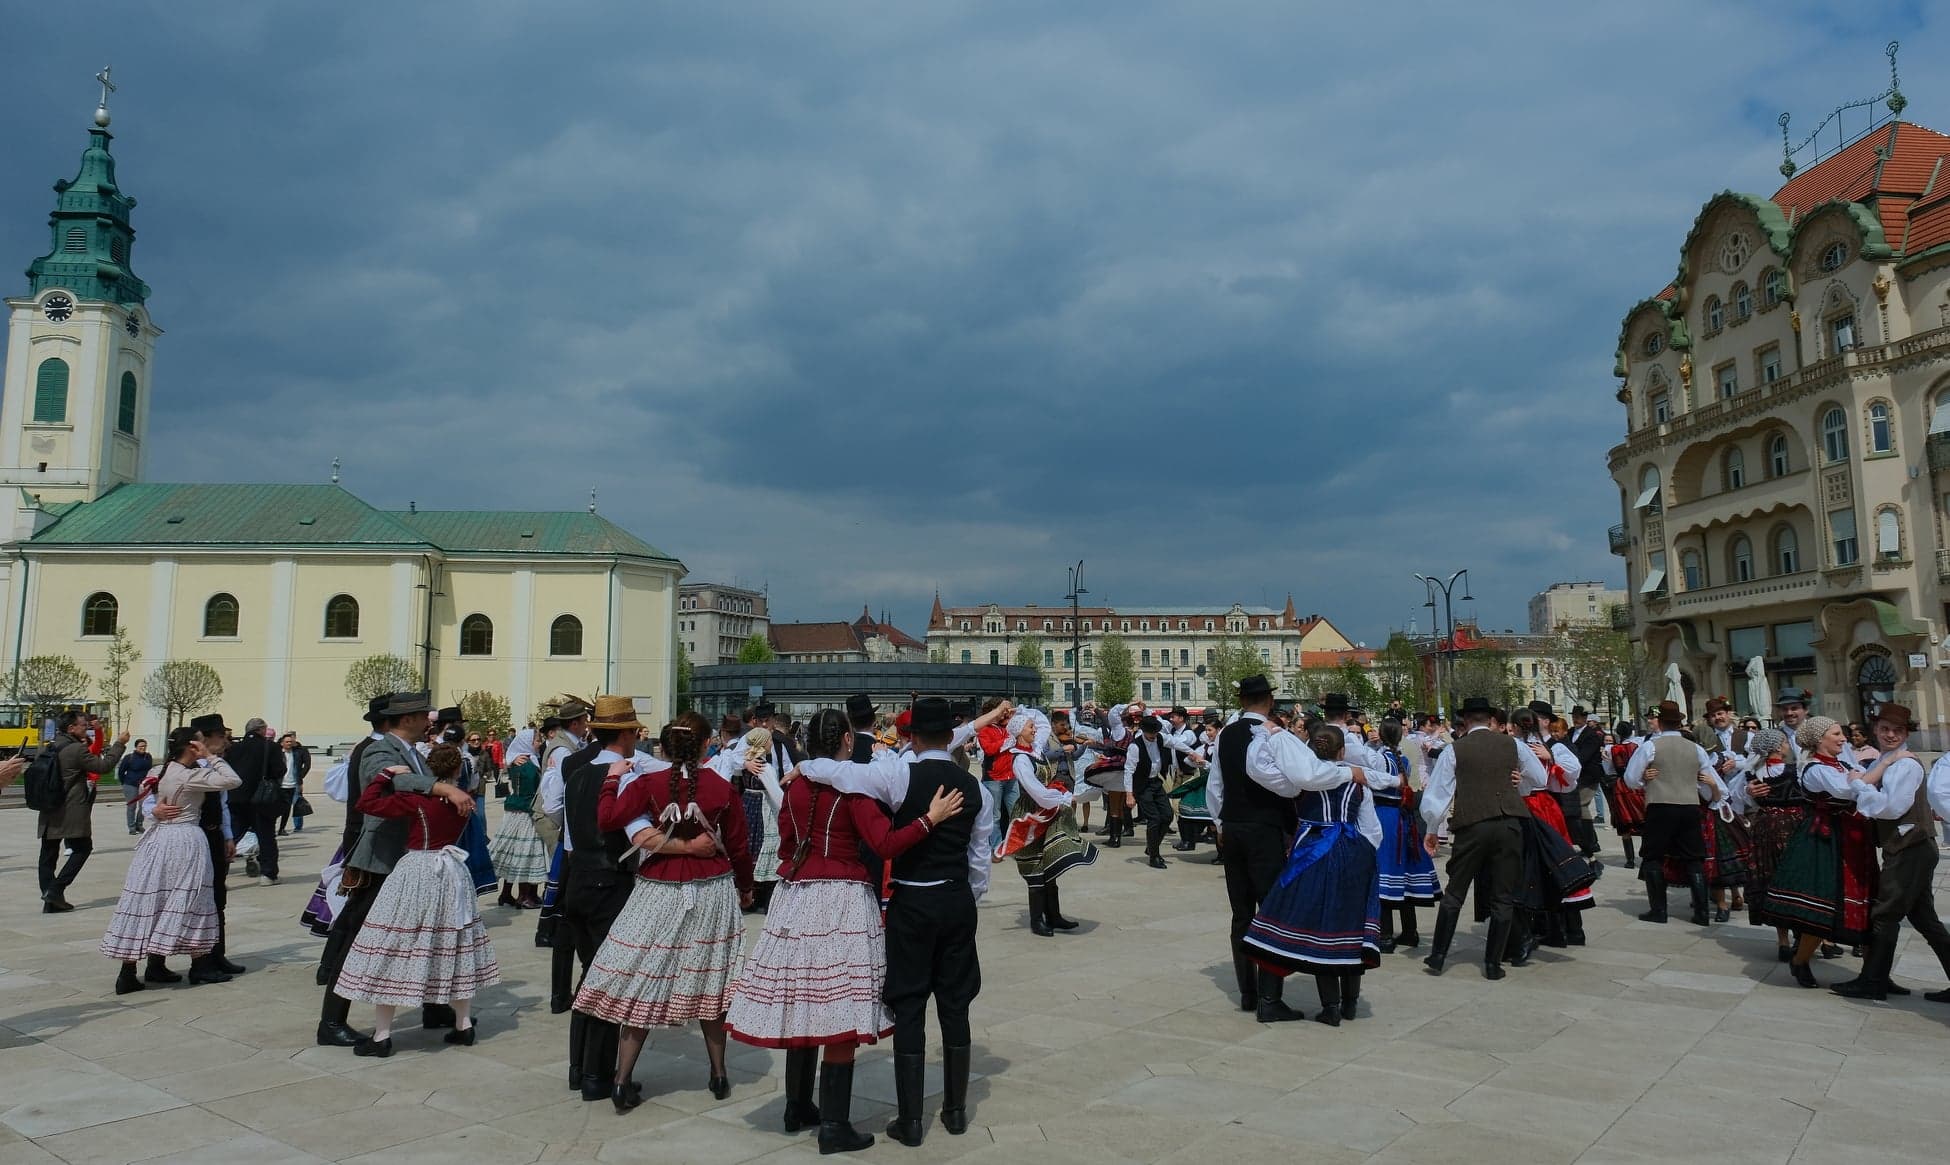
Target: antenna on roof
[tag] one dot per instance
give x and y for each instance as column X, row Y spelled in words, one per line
column 335, row 471
column 1892, row 97
column 592, row 501
column 412, row 507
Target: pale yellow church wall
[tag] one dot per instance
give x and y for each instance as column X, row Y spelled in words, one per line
column 645, row 642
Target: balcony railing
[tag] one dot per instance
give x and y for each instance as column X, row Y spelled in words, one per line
column 1939, row 445
column 1943, row 565
column 1617, row 539
column 1621, row 618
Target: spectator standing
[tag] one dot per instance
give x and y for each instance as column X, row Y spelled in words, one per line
column 254, row 805
column 297, row 764
column 69, row 824
column 129, row 772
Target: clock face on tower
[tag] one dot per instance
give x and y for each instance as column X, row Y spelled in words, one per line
column 133, row 326
column 57, row 308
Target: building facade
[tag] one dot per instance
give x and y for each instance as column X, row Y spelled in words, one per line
column 865, row 640
column 1572, row 604
column 1785, row 472
column 714, row 620
column 1170, row 646
column 278, row 587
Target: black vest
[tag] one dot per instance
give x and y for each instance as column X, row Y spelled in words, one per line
column 942, row 856
column 862, row 748
column 1246, row 801
column 1143, row 770
column 594, row 853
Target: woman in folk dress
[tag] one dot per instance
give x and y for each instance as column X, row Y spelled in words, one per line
column 517, row 850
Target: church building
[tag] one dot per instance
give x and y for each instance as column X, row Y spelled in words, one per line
column 279, row 587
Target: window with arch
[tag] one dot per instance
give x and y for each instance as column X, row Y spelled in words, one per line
column 477, row 635
column 1841, row 333
column 1777, row 456
column 1648, row 499
column 1740, row 558
column 99, row 613
column 220, row 617
column 1882, row 432
column 125, row 406
column 1734, row 468
column 1743, row 301
column 1889, row 533
column 1716, row 314
column 1834, row 435
column 1655, row 343
column 1692, row 570
column 1787, row 551
column 342, row 617
column 1660, row 408
column 51, row 392
column 1833, row 256
column 565, row 636
column 1773, row 287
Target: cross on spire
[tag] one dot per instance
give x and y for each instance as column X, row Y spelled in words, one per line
column 108, row 86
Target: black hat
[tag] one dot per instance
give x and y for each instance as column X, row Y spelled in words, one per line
column 210, row 725
column 932, row 716
column 375, row 709
column 1149, row 724
column 1580, row 710
column 764, row 710
column 1542, row 708
column 1254, row 687
column 1476, row 706
column 449, row 716
column 1334, row 702
column 1178, row 710
column 859, row 706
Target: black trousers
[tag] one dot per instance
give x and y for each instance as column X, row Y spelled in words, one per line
column 1583, row 834
column 1672, row 831
column 219, row 872
column 1153, row 807
column 1906, row 894
column 931, row 952
column 589, row 909
column 79, row 848
column 263, row 821
column 1254, row 855
column 1494, row 850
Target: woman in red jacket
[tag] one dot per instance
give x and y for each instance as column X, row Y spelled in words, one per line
column 814, row 979
column 670, row 954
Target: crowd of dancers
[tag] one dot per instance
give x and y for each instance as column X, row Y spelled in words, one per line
column 866, row 839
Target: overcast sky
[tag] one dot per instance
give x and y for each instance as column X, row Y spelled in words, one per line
column 862, row 300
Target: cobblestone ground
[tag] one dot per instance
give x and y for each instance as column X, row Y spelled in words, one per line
column 1117, row 1042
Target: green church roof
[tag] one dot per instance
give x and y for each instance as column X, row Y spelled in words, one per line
column 161, row 514
column 92, row 238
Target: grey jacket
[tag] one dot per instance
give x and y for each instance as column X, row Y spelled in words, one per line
column 382, row 840
column 77, row 763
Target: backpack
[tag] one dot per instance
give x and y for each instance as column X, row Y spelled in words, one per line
column 42, row 784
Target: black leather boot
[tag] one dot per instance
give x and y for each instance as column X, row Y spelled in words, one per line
column 1574, row 927
column 954, row 1089
column 1499, row 939
column 1407, row 936
column 1052, row 910
column 1350, row 993
column 1248, row 982
column 578, row 1041
column 561, row 965
column 1115, row 838
column 1154, row 836
column 598, row 1059
column 333, row 1030
column 1273, row 1009
column 157, row 971
column 836, row 1131
column 1445, row 933
column 1329, row 987
column 800, row 1065
column 434, row 1016
column 1038, row 925
column 1522, row 941
column 1873, row 982
column 126, row 981
column 909, row 1081
column 1696, row 881
column 1655, row 892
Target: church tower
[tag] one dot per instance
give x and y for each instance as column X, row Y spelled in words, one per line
column 74, row 405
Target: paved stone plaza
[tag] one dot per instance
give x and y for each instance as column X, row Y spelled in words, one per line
column 1119, row 1042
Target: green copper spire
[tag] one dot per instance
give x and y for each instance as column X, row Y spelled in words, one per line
column 90, row 224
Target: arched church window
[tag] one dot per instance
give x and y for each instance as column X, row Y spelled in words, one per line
column 98, row 614
column 342, row 617
column 125, row 406
column 51, row 392
column 565, row 636
column 220, row 617
column 477, row 635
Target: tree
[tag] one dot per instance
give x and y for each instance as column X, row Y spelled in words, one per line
column 1603, row 668
column 45, row 682
column 486, row 712
column 1310, row 685
column 122, row 658
column 757, row 649
column 376, row 675
column 686, row 675
column 1029, row 654
column 1233, row 660
column 1482, row 671
column 938, row 653
column 181, row 688
column 1399, row 672
column 1116, row 673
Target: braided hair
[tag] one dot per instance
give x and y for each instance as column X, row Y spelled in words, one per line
column 829, row 733
column 1327, row 741
column 682, row 745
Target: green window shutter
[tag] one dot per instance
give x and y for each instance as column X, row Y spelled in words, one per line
column 51, row 392
column 125, row 410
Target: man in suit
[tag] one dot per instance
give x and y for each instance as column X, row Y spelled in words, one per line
column 219, row 828
column 1587, row 742
column 296, row 759
column 402, row 722
column 254, row 804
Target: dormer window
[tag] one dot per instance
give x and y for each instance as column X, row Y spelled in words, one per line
column 1834, row 256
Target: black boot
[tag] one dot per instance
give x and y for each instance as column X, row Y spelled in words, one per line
column 1631, row 862
column 1445, row 933
column 578, row 1043
column 1114, row 839
column 598, row 1059
column 1574, row 927
column 1272, row 1009
column 434, row 1016
column 909, row 1081
column 1520, row 941
column 1873, row 982
column 1154, row 836
column 1329, row 987
column 333, row 1030
column 561, row 965
column 1053, row 912
column 1350, row 992
column 836, row 1131
column 1696, row 880
column 954, row 1089
column 1655, row 892
column 55, row 902
column 1386, row 943
column 158, row 972
column 204, row 969
column 127, row 982
column 1248, row 976
column 1407, row 936
column 1038, row 926
column 1499, row 939
column 800, row 1065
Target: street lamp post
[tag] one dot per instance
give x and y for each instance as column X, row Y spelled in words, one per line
column 1446, row 641
column 1077, row 591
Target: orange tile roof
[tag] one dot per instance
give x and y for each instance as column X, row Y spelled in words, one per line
column 1888, row 169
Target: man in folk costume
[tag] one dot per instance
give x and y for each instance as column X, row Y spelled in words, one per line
column 931, row 920
column 1146, row 762
column 1336, row 709
column 1564, row 770
column 1732, row 739
column 1587, row 743
column 1485, row 775
column 567, row 738
column 219, row 827
column 381, row 843
column 1252, row 798
column 1671, row 769
column 1899, row 799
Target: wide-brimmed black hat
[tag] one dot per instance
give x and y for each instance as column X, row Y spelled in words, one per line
column 1476, row 706
column 1580, row 710
column 375, row 709
column 1334, row 702
column 1254, row 687
column 449, row 716
column 1150, row 724
column 1542, row 708
column 1178, row 710
column 932, row 716
column 764, row 710
column 210, row 725
column 859, row 706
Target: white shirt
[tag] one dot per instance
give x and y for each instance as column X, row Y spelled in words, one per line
column 1279, row 763
column 1441, row 789
column 1901, row 782
column 1938, row 786
column 1044, row 796
column 886, row 779
column 1817, row 777
column 1152, row 747
column 1358, row 751
column 1642, row 759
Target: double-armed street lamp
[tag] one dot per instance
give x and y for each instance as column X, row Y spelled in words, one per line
column 1077, row 591
column 1445, row 641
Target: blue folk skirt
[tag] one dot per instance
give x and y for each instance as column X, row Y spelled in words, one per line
column 1324, row 914
column 474, row 839
column 1407, row 871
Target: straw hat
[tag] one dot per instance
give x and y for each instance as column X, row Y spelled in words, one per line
column 614, row 713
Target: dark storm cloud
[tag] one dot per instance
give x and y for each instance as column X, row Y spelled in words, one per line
column 864, row 299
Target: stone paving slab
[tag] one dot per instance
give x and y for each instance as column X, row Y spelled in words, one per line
column 1117, row 1043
